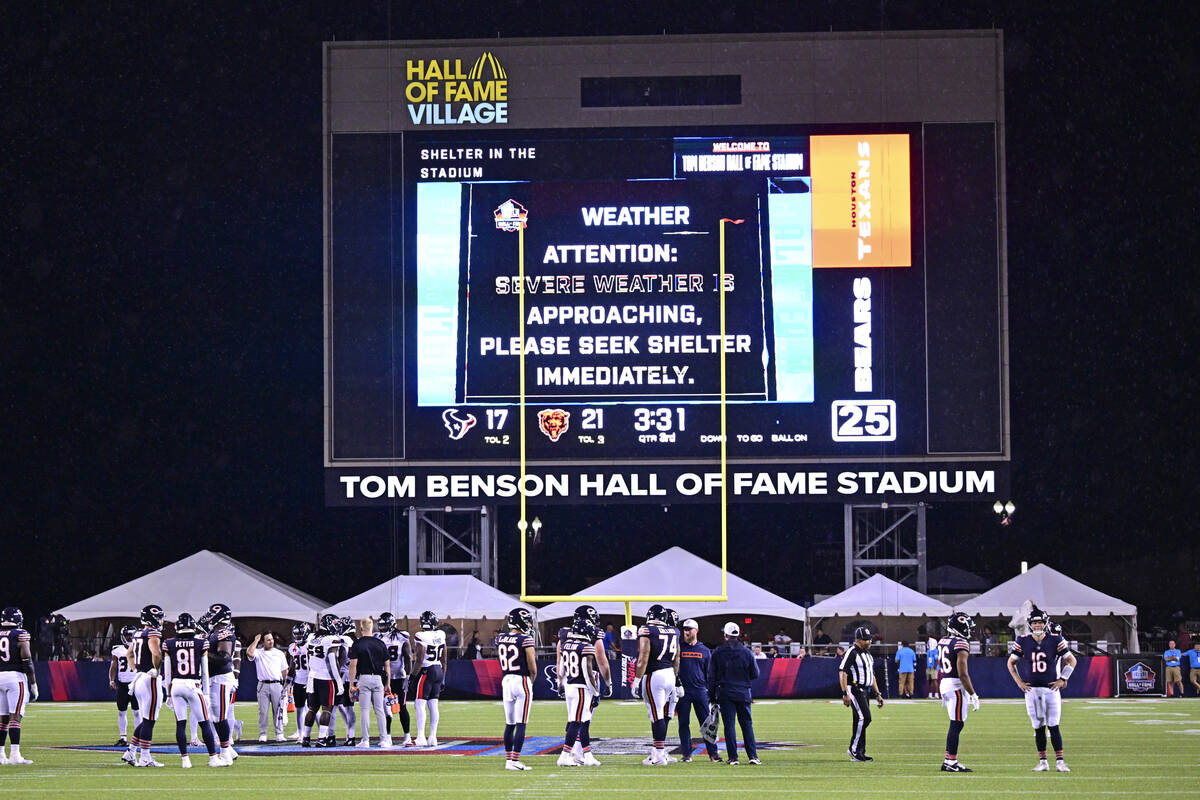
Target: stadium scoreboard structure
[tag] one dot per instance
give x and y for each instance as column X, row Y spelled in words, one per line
column 645, row 253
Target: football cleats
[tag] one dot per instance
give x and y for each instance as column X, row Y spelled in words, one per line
column 521, row 619
column 152, row 616
column 127, row 633
column 387, row 622
column 960, row 625
column 429, row 620
column 863, row 632
column 1037, row 615
column 11, row 617
column 656, row 613
column 328, row 623
column 672, row 618
column 300, row 632
column 587, row 612
column 219, row 615
column 185, row 623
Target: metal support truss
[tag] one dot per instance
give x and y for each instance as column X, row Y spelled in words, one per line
column 453, row 541
column 888, row 538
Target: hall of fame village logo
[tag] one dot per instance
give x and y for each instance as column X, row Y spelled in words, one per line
column 511, row 216
column 1139, row 678
column 440, row 92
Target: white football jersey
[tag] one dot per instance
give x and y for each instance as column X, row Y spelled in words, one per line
column 299, row 654
column 124, row 673
column 395, row 642
column 318, row 648
column 434, row 643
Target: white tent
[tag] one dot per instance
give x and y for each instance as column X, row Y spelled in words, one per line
column 448, row 596
column 676, row 572
column 881, row 599
column 193, row 584
column 1056, row 594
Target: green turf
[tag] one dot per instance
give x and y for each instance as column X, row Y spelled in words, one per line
column 1135, row 748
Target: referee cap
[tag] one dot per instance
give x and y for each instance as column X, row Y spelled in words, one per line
column 732, row 630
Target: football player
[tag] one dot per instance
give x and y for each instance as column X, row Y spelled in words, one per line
column 119, row 678
column 298, row 655
column 185, row 676
column 578, row 684
column 1039, row 653
column 325, row 681
column 400, row 657
column 431, row 655
column 655, row 676
column 345, row 703
column 18, row 683
column 589, row 613
column 958, row 693
column 514, row 649
column 222, row 679
column 145, row 659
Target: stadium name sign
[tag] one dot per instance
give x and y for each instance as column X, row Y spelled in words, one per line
column 346, row 487
column 440, row 92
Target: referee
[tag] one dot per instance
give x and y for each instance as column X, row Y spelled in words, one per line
column 857, row 678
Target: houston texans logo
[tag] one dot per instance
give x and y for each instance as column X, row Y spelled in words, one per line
column 456, row 424
column 551, row 673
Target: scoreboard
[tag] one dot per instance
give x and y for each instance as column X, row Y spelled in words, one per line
column 833, row 288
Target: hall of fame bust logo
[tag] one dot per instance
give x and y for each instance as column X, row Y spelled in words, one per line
column 511, row 216
column 1139, row 678
column 554, row 422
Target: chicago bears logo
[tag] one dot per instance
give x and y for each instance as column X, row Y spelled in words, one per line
column 456, row 424
column 554, row 422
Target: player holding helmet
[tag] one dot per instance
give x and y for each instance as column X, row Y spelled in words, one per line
column 18, row 684
column 431, row 655
column 655, row 676
column 400, row 658
column 958, row 693
column 514, row 650
column 185, row 676
column 1039, row 653
column 145, row 659
column 120, row 676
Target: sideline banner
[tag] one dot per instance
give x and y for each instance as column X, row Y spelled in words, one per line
column 1140, row 676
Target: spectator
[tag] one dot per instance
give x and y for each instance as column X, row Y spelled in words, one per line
column 773, row 652
column 932, row 683
column 841, row 651
column 475, row 649
column 1194, row 664
column 986, row 641
column 758, row 652
column 906, row 660
column 782, row 638
column 84, row 655
column 821, row 640
column 802, row 652
column 731, row 671
column 45, row 645
column 1174, row 673
column 610, row 641
column 271, row 666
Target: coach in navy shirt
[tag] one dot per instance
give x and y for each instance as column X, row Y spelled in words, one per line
column 694, row 659
column 730, row 673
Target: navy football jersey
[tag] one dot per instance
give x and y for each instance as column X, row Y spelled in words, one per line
column 948, row 649
column 215, row 639
column 185, row 654
column 1039, row 658
column 510, row 649
column 139, row 648
column 575, row 652
column 664, row 645
column 10, row 649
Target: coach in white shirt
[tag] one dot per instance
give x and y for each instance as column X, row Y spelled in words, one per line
column 271, row 664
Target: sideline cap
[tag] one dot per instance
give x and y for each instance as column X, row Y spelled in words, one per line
column 691, row 623
column 732, row 629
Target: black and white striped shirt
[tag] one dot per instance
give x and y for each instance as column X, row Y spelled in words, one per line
column 859, row 667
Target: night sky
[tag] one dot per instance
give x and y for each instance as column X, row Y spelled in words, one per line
column 162, row 356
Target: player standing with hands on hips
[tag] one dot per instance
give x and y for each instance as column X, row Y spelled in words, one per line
column 857, row 677
column 958, row 693
column 1040, row 652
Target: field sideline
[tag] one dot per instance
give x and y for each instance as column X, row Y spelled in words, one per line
column 1133, row 748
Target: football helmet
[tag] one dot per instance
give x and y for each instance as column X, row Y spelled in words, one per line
column 863, row 632
column 346, row 624
column 672, row 617
column 11, row 617
column 521, row 619
column 1037, row 615
column 587, row 612
column 127, row 633
column 387, row 622
column 1055, row 629
column 429, row 620
column 584, row 627
column 219, row 615
column 328, row 623
column 185, row 623
column 960, row 625
column 300, row 632
column 152, row 615
column 656, row 613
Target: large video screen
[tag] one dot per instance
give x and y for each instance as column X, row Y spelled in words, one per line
column 860, row 287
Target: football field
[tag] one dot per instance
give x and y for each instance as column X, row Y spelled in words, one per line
column 1115, row 748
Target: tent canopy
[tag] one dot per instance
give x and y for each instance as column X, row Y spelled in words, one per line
column 676, row 572
column 448, row 596
column 193, row 584
column 1053, row 592
column 879, row 596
